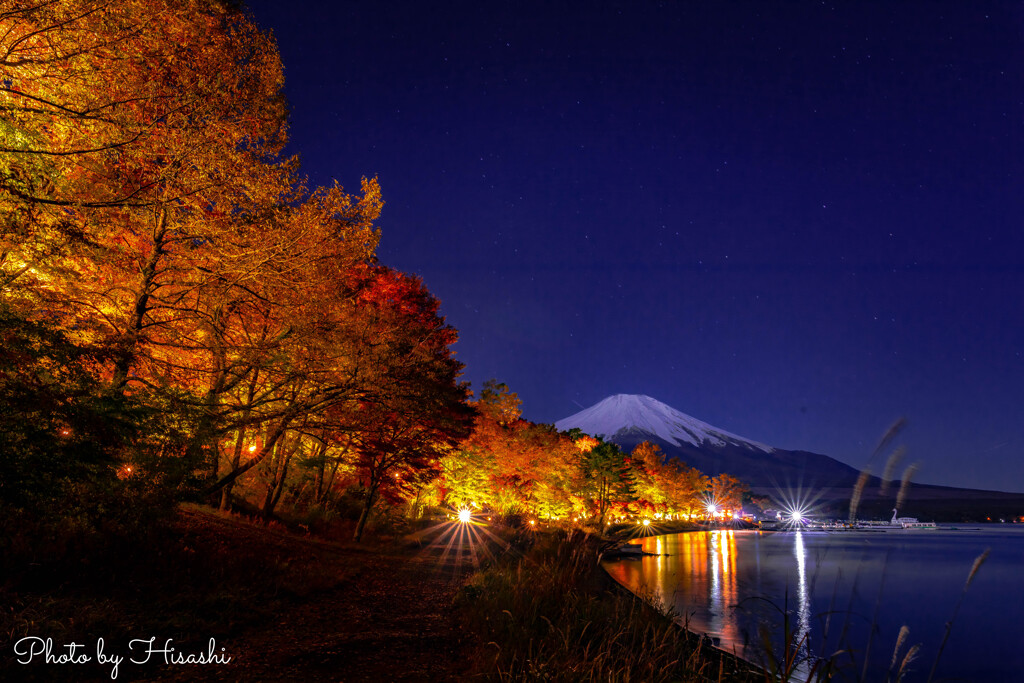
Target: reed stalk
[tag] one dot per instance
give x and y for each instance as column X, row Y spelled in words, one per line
column 980, row 560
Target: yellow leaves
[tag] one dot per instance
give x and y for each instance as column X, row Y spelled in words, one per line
column 371, row 202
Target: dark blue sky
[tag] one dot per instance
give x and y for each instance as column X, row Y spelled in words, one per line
column 794, row 221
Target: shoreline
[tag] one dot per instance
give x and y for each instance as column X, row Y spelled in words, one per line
column 558, row 610
column 684, row 527
column 706, row 639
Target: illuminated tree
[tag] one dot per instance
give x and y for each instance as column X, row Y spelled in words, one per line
column 135, row 135
column 649, row 478
column 607, row 479
column 509, row 465
column 499, row 403
column 296, row 341
column 414, row 411
column 466, row 478
column 559, row 472
column 138, row 176
column 727, row 491
column 491, row 467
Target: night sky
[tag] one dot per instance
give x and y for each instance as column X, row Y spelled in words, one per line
column 795, row 221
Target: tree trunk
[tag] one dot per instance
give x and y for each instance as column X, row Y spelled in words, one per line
column 284, row 456
column 132, row 332
column 236, row 457
column 202, row 432
column 371, row 495
column 271, row 440
column 321, row 469
column 335, row 464
column 318, row 483
column 329, row 482
column 602, row 501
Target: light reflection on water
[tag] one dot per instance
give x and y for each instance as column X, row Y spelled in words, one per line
column 696, row 574
column 803, row 597
column 848, row 591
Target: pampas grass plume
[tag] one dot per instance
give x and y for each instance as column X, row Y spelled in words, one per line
column 890, row 467
column 905, row 484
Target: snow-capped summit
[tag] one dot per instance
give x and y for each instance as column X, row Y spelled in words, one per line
column 627, row 420
column 635, row 415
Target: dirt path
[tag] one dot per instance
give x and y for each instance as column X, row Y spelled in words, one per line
column 390, row 619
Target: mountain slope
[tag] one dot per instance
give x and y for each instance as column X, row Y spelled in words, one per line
column 625, row 414
column 628, row 419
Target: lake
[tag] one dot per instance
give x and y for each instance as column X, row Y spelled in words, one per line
column 848, row 590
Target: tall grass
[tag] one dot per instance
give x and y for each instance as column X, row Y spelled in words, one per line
column 793, row 660
column 554, row 615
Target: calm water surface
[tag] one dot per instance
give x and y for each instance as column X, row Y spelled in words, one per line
column 850, row 591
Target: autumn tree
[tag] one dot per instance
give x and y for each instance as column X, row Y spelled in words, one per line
column 685, row 487
column 146, row 211
column 296, row 342
column 649, row 477
column 607, row 478
column 136, row 137
column 558, row 472
column 138, row 176
column 517, row 460
column 486, row 467
column 509, row 465
column 415, row 409
column 665, row 484
column 727, row 491
column 499, row 403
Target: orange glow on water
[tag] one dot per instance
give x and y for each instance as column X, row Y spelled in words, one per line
column 689, row 570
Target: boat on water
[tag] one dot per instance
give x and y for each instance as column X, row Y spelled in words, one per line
column 895, row 523
column 898, row 523
column 624, row 551
column 910, row 522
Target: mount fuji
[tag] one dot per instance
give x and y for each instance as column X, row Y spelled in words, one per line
column 628, row 419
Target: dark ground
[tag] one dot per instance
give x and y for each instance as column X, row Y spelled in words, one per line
column 290, row 607
column 391, row 619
